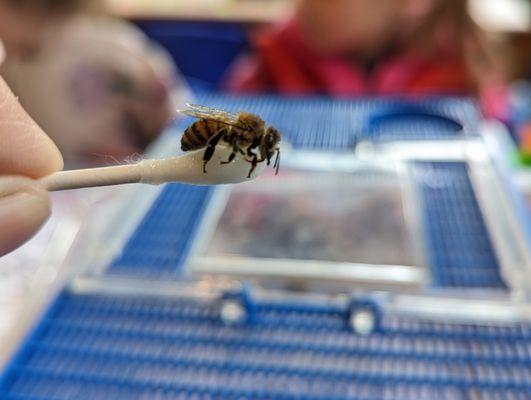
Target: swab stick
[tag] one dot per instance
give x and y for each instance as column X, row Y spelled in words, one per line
column 187, row 168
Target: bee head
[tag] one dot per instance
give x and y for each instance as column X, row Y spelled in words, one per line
column 271, row 139
column 251, row 122
column 270, row 142
column 269, row 146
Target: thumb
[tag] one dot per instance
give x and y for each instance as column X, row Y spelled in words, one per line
column 24, row 147
column 24, row 206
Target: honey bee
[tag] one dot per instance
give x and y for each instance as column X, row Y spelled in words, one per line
column 244, row 132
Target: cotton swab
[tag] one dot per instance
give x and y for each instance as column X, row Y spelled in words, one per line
column 187, row 168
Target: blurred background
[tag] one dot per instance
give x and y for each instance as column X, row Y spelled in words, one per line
column 120, row 68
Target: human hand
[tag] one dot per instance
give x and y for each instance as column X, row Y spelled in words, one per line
column 26, row 154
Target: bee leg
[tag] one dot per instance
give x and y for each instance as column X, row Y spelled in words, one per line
column 235, row 149
column 250, row 151
column 254, row 162
column 231, row 157
column 211, row 147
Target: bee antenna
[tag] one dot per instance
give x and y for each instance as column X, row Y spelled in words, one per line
column 277, row 162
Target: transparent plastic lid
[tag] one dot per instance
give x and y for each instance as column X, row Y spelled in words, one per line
column 309, row 218
column 316, row 216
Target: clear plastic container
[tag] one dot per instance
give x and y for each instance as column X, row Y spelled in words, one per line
column 333, row 223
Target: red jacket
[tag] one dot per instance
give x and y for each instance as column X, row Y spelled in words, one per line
column 282, row 63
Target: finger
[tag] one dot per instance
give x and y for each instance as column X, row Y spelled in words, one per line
column 24, row 147
column 24, row 207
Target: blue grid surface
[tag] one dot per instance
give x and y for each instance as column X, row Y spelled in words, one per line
column 321, row 123
column 98, row 347
column 161, row 241
column 459, row 250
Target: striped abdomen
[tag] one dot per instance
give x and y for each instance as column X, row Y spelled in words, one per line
column 196, row 135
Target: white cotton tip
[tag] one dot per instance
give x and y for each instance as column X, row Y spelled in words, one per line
column 188, row 168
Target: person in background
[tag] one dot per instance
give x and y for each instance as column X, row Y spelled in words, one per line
column 96, row 85
column 347, row 48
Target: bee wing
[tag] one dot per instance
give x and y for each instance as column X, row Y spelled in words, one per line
column 204, row 112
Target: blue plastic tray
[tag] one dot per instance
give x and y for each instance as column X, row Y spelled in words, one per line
column 105, row 347
column 459, row 250
column 95, row 347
